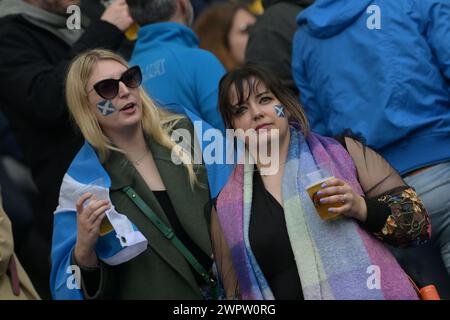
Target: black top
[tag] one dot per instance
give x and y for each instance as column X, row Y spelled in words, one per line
column 203, row 259
column 270, row 243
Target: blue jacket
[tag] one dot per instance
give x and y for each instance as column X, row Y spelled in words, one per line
column 185, row 79
column 176, row 72
column 381, row 68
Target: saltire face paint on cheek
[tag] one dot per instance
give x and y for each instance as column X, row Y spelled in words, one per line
column 279, row 110
column 106, row 107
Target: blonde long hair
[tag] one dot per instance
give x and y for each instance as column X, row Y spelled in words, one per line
column 156, row 122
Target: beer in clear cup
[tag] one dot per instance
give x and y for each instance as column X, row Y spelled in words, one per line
column 314, row 178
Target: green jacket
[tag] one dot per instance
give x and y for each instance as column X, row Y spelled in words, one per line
column 160, row 272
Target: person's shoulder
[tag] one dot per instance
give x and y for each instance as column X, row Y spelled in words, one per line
column 428, row 4
column 201, row 56
column 16, row 32
column 282, row 9
column 279, row 19
column 14, row 24
column 342, row 138
column 11, row 20
column 203, row 66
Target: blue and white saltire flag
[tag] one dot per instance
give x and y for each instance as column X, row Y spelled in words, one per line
column 218, row 173
column 106, row 107
column 279, row 109
column 121, row 244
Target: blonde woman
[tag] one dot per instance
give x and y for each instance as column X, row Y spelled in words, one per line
column 123, row 198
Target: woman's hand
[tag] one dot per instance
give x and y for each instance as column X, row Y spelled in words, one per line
column 339, row 192
column 89, row 219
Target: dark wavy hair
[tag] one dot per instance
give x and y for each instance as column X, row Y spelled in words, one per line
column 245, row 81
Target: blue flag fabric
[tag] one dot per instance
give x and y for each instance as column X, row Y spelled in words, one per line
column 218, row 172
column 122, row 243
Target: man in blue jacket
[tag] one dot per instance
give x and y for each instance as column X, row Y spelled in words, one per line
column 382, row 68
column 177, row 74
column 176, row 71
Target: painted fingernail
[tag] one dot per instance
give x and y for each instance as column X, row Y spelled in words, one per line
column 324, row 185
column 322, row 200
column 330, row 209
column 319, row 193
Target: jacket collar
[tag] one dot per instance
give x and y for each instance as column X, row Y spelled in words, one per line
column 168, row 32
column 53, row 23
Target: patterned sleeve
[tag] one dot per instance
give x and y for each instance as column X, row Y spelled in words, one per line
column 395, row 214
column 398, row 217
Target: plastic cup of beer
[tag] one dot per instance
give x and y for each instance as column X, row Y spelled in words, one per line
column 314, row 178
column 98, row 189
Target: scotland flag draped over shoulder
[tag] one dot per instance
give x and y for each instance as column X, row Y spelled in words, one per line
column 218, row 173
column 121, row 244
